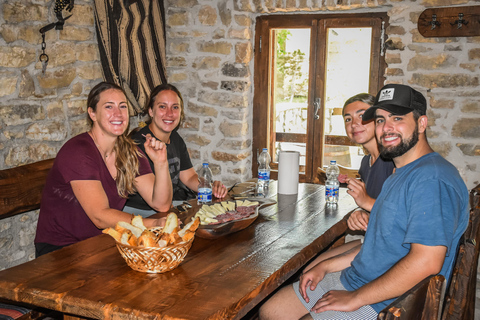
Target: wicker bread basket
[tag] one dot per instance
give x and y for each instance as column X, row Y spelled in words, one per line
column 154, row 259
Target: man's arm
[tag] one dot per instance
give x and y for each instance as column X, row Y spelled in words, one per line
column 421, row 262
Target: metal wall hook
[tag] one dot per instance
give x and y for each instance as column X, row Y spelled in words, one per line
column 460, row 22
column 434, row 23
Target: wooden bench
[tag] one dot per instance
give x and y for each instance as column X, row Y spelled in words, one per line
column 459, row 302
column 21, row 191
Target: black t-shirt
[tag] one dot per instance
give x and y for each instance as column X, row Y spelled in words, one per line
column 375, row 176
column 178, row 160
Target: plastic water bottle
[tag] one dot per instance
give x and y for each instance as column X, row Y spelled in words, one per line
column 332, row 185
column 205, row 184
column 263, row 173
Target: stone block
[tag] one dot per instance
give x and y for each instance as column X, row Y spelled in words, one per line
column 225, row 157
column 442, row 104
column 235, row 86
column 394, row 44
column 191, row 123
column 419, row 48
column 243, row 34
column 57, row 79
column 243, row 20
column 176, row 62
column 90, row 71
column 207, row 16
column 179, row 18
column 471, row 107
column 17, row 133
column 392, row 29
column 210, row 84
column 234, row 130
column 418, row 38
column 61, row 54
column 27, row 86
column 87, row 52
column 47, row 131
column 182, row 3
column 218, row 34
column 8, row 83
column 82, row 15
column 210, row 129
column 207, row 63
column 177, row 77
column 431, row 62
column 474, row 54
column 441, row 3
column 79, row 125
column 469, row 149
column 76, row 107
column 443, row 148
column 55, row 110
column 225, row 12
column 16, row 11
column 179, row 47
column 16, row 57
column 243, row 52
column 237, row 70
column 394, row 72
column 202, row 110
column 20, row 155
column 243, row 5
column 196, row 139
column 220, row 47
column 469, row 66
column 467, row 128
column 235, row 115
column 75, row 33
column 14, row 115
column 230, row 144
column 223, row 99
column 443, row 80
column 391, row 58
column 194, row 154
column 258, row 6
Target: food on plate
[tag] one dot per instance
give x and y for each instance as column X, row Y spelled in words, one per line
column 226, row 211
column 136, row 234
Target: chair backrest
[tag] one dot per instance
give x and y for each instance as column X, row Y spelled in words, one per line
column 422, row 302
column 321, row 177
column 21, row 187
column 460, row 299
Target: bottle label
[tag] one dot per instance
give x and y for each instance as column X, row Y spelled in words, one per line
column 331, row 192
column 263, row 175
column 204, row 195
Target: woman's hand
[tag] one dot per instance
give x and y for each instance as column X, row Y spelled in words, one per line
column 219, row 190
column 358, row 190
column 358, row 220
column 156, row 150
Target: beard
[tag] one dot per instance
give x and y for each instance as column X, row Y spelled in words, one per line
column 399, row 150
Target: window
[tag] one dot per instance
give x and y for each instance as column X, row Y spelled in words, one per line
column 306, row 66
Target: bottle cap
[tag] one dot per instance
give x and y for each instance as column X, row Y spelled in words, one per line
column 333, row 161
column 265, row 149
column 205, row 164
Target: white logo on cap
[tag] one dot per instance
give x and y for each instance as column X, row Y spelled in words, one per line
column 386, row 94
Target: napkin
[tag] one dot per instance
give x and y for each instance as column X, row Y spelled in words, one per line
column 288, row 168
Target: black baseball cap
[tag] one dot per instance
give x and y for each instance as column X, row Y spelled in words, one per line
column 399, row 99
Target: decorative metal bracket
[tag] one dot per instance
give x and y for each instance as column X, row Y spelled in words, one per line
column 434, row 23
column 460, row 22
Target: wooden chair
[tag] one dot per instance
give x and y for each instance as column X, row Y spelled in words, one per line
column 422, row 302
column 321, row 176
column 460, row 299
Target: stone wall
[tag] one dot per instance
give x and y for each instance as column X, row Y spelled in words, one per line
column 210, row 59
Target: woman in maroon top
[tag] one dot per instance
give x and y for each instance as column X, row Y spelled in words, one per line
column 94, row 173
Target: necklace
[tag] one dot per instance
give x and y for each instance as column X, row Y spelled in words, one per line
column 103, row 153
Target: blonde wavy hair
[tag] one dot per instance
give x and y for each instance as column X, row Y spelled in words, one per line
column 126, row 151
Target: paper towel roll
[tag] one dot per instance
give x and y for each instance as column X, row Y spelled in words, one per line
column 288, row 167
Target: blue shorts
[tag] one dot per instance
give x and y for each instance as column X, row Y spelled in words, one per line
column 332, row 282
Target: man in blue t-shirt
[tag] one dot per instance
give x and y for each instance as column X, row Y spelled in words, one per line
column 414, row 229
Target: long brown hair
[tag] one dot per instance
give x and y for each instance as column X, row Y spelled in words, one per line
column 154, row 94
column 126, row 152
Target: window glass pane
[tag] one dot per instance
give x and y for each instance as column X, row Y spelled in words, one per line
column 347, row 74
column 291, row 80
column 291, row 146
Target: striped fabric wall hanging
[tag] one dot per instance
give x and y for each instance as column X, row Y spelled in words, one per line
column 131, row 41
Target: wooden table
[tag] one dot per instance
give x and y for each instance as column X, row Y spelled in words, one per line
column 219, row 279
